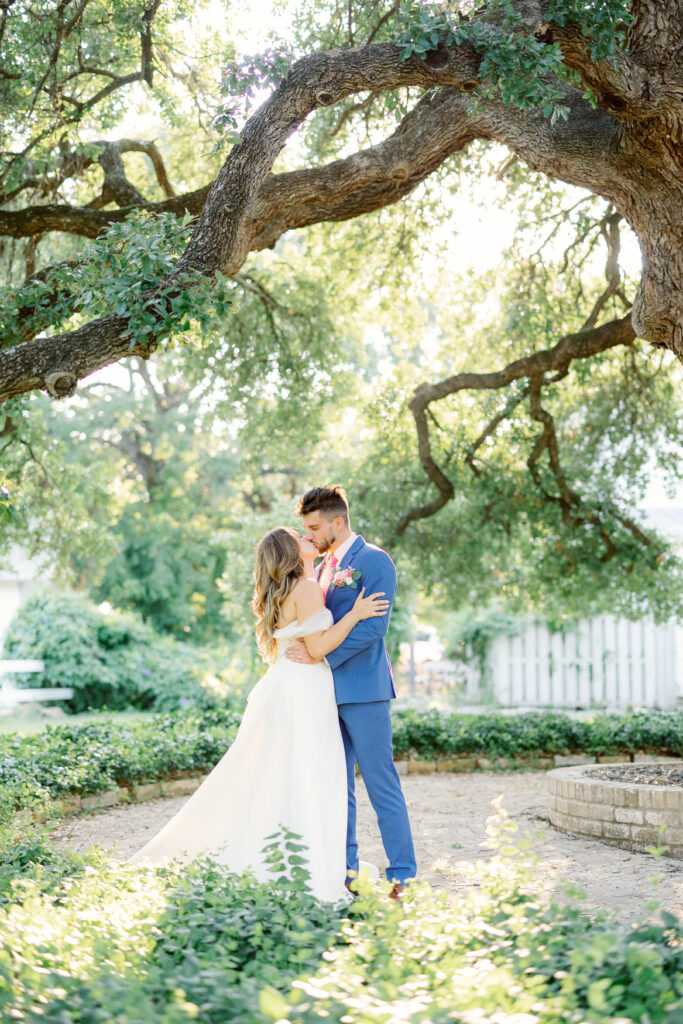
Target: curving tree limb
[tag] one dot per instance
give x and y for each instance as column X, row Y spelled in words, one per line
column 534, row 367
column 633, row 156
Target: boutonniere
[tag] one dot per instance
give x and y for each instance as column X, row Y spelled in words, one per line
column 347, row 577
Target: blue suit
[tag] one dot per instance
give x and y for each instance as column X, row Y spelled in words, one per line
column 364, row 685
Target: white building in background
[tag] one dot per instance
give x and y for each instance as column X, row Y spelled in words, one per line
column 20, row 577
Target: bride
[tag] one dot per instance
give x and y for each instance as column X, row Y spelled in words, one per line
column 286, row 766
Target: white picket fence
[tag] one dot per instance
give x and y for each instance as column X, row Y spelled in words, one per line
column 598, row 662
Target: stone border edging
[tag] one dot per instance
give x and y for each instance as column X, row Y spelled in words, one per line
column 185, row 785
column 470, row 762
column 625, row 814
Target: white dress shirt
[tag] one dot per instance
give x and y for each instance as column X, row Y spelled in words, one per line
column 344, row 547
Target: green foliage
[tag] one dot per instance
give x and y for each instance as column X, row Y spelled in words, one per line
column 8, row 512
column 433, row 734
column 524, row 70
column 171, row 477
column 104, row 941
column 27, row 854
column 172, row 944
column 61, row 72
column 132, row 259
column 605, row 23
column 91, row 757
column 501, row 951
column 100, row 755
column 505, row 537
column 167, row 572
column 129, row 269
column 112, row 661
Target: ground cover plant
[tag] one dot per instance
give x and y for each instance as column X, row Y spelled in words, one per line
column 88, row 939
column 92, row 757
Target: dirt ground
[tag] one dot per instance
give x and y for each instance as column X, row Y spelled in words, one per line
column 448, row 813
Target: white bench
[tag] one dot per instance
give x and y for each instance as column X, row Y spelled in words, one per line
column 11, row 696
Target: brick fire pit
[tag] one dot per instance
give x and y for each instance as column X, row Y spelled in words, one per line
column 620, row 804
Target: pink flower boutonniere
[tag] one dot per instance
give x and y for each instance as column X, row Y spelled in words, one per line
column 347, row 577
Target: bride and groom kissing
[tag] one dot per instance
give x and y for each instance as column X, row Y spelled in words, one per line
column 321, row 707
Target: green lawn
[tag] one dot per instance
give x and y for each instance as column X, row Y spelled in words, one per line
column 30, row 720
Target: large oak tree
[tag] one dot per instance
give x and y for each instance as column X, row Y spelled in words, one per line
column 589, row 94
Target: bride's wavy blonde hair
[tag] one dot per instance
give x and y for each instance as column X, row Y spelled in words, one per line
column 277, row 567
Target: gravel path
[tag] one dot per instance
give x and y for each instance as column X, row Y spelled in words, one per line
column 448, row 814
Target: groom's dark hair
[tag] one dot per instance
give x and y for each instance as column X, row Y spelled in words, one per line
column 329, row 501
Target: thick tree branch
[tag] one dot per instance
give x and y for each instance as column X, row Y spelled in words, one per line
column 656, row 33
column 246, row 209
column 581, row 345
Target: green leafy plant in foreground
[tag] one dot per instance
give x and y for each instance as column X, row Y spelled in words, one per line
column 502, row 949
column 131, row 943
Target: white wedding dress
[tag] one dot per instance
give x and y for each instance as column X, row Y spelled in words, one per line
column 285, row 767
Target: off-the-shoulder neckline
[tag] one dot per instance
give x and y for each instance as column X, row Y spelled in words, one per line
column 280, row 629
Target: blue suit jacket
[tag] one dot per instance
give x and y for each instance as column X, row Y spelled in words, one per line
column 360, row 665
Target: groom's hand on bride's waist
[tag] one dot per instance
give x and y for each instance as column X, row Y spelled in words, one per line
column 297, row 651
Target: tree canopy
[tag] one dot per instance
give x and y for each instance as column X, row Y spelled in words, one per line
column 503, row 425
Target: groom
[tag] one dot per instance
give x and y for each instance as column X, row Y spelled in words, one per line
column 363, row 681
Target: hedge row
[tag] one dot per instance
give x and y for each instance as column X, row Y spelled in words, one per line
column 92, row 757
column 434, row 735
column 89, row 758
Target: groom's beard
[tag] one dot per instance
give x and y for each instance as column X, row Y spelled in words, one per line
column 324, row 545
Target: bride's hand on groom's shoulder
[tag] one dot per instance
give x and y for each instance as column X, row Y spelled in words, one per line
column 371, row 607
column 297, row 651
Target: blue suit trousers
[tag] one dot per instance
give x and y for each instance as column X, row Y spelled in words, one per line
column 366, row 731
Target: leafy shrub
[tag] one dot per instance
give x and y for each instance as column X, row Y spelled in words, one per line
column 432, row 734
column 28, row 855
column 166, row 945
column 96, row 756
column 502, row 952
column 132, row 943
column 113, row 661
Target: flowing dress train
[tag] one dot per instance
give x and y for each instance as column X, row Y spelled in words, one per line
column 286, row 767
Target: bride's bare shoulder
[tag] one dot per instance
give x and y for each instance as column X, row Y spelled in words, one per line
column 306, row 585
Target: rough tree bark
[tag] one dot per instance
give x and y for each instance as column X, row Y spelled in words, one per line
column 628, row 149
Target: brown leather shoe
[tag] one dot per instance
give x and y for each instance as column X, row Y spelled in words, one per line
column 397, row 891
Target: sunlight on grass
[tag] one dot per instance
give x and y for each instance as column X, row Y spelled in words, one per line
column 30, row 720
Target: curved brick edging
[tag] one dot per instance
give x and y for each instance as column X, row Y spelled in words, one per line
column 185, row 785
column 625, row 814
